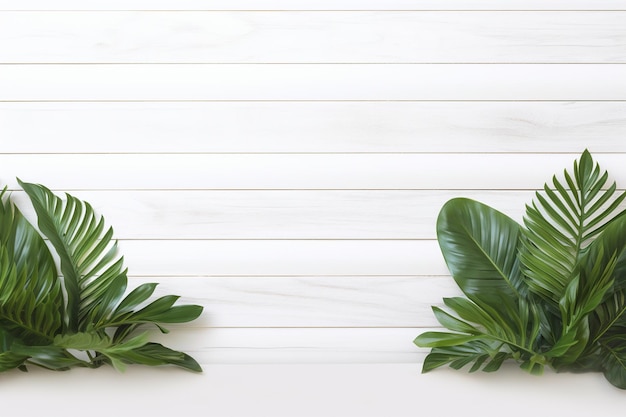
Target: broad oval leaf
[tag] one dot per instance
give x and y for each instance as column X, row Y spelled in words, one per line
column 479, row 245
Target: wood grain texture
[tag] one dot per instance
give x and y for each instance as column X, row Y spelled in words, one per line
column 282, row 257
column 284, row 167
column 313, row 82
column 280, row 214
column 295, row 171
column 310, row 301
column 309, row 127
column 296, row 345
column 323, row 37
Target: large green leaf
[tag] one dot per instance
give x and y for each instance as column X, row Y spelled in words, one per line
column 609, row 315
column 31, row 300
column 95, row 284
column 159, row 311
column 43, row 325
column 8, row 358
column 479, row 245
column 613, row 352
column 481, row 335
column 88, row 253
column 155, row 354
column 561, row 223
column 571, row 248
column 476, row 352
column 564, row 307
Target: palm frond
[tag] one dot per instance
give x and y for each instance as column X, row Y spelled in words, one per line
column 95, row 283
column 31, row 300
column 561, row 223
column 152, row 354
column 475, row 352
column 482, row 335
column 88, row 253
column 570, row 289
column 8, row 358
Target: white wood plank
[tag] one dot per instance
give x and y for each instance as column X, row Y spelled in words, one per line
column 295, row 171
column 168, row 5
column 357, row 301
column 295, row 345
column 277, row 127
column 200, row 127
column 313, row 390
column 322, row 37
column 313, row 82
column 154, row 258
column 266, row 214
column 276, row 214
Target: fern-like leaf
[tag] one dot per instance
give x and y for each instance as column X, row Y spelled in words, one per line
column 99, row 318
column 31, row 300
column 561, row 223
column 88, row 253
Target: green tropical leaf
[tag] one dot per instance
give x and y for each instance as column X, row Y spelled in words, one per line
column 610, row 313
column 45, row 319
column 50, row 357
column 83, row 341
column 155, row 354
column 441, row 339
column 88, row 253
column 450, row 322
column 9, row 359
column 135, row 298
column 475, row 352
column 550, row 293
column 479, row 245
column 31, row 300
column 614, row 360
column 609, row 318
column 561, row 223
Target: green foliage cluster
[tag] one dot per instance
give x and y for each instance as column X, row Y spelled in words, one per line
column 550, row 292
column 82, row 315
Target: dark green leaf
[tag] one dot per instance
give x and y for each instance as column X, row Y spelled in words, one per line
column 453, row 323
column 480, row 245
column 473, row 351
column 564, row 307
column 31, row 301
column 440, row 339
column 83, row 245
column 154, row 354
column 614, row 361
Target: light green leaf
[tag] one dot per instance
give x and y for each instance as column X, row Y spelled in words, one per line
column 440, row 339
column 83, row 341
column 453, row 323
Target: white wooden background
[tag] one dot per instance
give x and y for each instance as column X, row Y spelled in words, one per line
column 283, row 162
